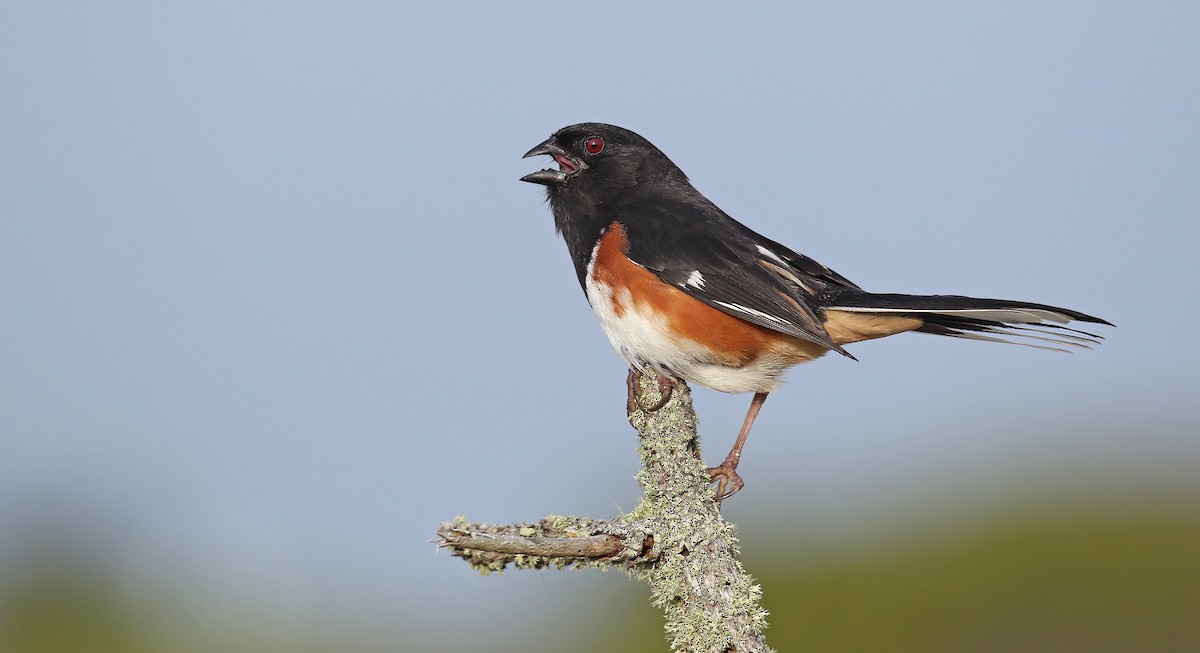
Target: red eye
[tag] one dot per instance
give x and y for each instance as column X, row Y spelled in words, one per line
column 594, row 145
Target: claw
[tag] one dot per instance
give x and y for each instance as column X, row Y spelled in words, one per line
column 631, row 392
column 727, row 480
column 633, row 399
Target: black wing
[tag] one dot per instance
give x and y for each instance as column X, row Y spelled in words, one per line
column 804, row 264
column 695, row 247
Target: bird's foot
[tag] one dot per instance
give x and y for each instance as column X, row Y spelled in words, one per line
column 726, row 477
column 633, row 401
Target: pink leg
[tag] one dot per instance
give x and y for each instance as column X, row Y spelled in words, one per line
column 725, row 474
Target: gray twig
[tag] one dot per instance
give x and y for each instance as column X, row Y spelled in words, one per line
column 675, row 539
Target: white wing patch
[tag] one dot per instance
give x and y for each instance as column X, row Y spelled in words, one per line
column 769, row 254
column 750, row 311
column 696, row 280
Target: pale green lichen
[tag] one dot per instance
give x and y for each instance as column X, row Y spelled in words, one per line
column 554, row 526
column 711, row 604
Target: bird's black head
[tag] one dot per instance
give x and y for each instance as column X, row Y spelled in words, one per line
column 599, row 163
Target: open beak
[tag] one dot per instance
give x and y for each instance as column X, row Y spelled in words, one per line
column 567, row 165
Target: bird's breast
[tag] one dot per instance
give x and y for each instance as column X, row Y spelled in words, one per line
column 652, row 323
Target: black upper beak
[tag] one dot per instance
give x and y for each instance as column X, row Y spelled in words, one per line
column 547, row 146
column 546, row 177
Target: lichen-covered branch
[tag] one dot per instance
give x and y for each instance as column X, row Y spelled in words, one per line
column 553, row 542
column 675, row 540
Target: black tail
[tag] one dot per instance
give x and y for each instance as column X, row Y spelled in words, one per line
column 995, row 320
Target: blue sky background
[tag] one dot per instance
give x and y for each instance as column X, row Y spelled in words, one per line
column 273, row 302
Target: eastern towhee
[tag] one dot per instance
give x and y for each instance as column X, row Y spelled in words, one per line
column 687, row 292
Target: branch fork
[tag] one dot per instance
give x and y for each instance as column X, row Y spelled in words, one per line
column 675, row 540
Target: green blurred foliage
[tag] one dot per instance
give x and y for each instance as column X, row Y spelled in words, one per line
column 1059, row 581
column 1074, row 584
column 1053, row 581
column 54, row 613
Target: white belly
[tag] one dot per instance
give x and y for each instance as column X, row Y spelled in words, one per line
column 644, row 341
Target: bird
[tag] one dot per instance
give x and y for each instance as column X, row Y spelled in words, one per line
column 687, row 293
